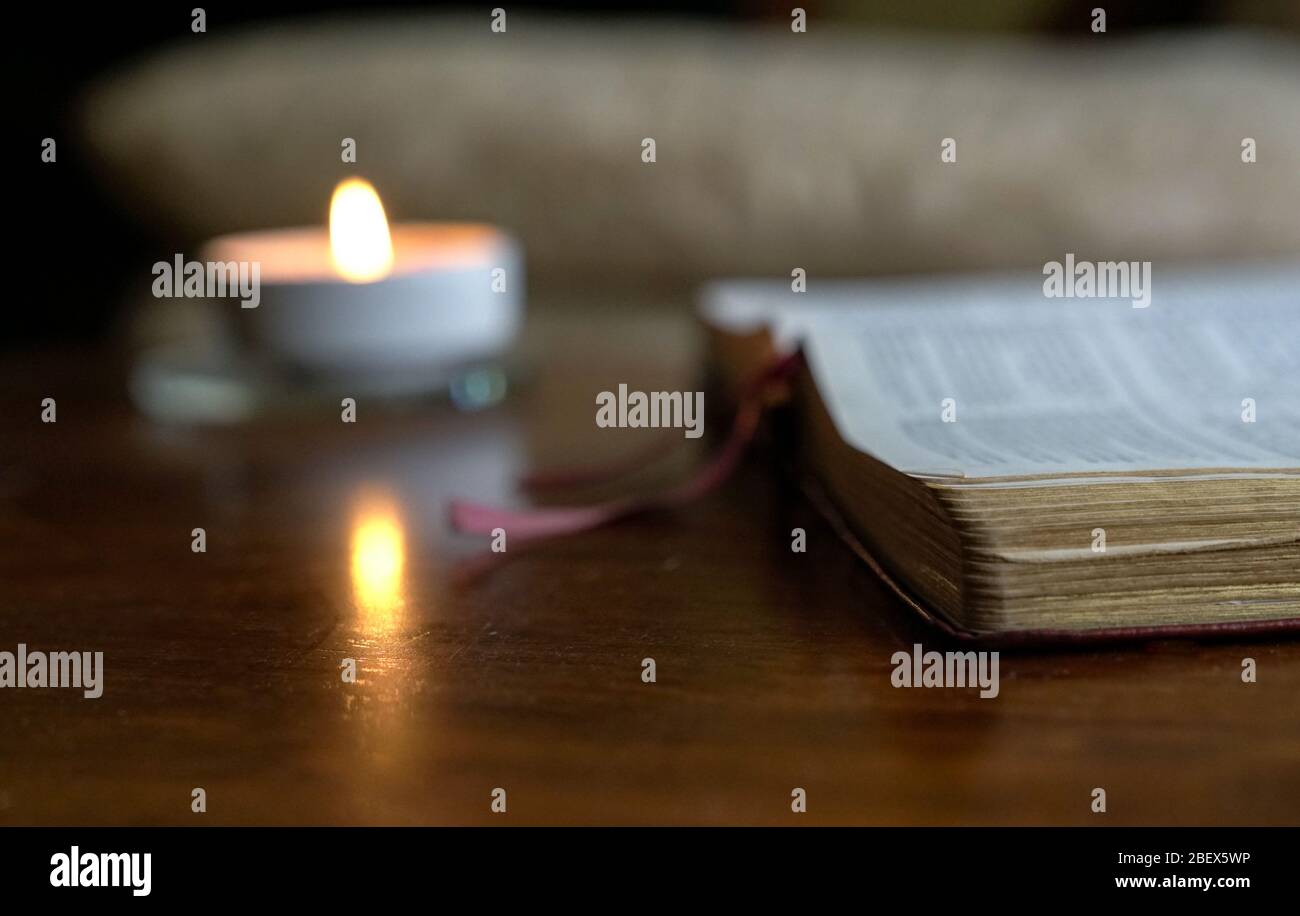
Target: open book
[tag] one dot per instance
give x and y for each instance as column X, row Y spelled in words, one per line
column 1017, row 463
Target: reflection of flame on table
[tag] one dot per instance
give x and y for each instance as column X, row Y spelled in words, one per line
column 378, row 561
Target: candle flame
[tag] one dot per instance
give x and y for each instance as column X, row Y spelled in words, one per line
column 360, row 244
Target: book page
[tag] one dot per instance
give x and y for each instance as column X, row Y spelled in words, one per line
column 981, row 377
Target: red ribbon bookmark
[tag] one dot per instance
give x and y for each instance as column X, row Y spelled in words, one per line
column 526, row 525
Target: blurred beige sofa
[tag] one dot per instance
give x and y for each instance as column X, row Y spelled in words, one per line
column 774, row 150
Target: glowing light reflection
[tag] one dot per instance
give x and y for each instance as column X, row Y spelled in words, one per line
column 379, row 562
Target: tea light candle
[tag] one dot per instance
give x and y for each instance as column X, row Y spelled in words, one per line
column 361, row 300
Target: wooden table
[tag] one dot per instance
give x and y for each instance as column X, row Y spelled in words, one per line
column 222, row 669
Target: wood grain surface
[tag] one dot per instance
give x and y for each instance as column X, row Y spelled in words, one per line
column 329, row 541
